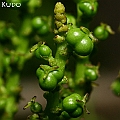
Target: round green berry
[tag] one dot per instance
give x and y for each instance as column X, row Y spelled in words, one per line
column 36, row 107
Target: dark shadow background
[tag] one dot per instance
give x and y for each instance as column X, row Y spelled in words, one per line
column 103, row 105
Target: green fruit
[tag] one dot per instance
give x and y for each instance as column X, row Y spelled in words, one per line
column 43, row 51
column 80, row 41
column 65, row 115
column 36, row 107
column 77, row 96
column 74, row 36
column 71, row 19
column 91, row 74
column 39, row 73
column 88, row 8
column 116, row 87
column 84, row 47
column 78, row 112
column 37, row 22
column 49, row 83
column 70, row 103
column 101, row 33
column 58, row 74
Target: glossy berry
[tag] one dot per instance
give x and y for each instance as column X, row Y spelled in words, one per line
column 36, row 107
column 58, row 74
column 43, row 51
column 84, row 46
column 101, row 33
column 91, row 74
column 49, row 83
column 74, row 36
column 80, row 41
column 70, row 103
column 88, row 8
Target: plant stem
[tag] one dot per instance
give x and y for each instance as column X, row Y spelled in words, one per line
column 52, row 101
column 61, row 55
column 53, row 97
column 81, row 63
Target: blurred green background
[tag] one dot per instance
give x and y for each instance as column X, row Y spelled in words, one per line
column 103, row 105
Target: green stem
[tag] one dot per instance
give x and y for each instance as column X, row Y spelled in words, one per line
column 52, row 101
column 81, row 63
column 61, row 55
column 53, row 97
column 80, row 66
